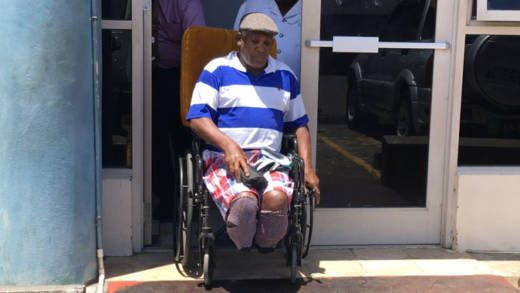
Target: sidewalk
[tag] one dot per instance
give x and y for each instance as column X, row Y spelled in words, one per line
column 326, row 269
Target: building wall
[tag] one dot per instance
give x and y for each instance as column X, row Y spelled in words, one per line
column 47, row 157
column 488, row 204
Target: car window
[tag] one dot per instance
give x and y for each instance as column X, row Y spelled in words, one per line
column 490, row 113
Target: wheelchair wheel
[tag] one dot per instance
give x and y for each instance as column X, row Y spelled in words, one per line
column 294, row 262
column 185, row 211
column 174, row 162
column 179, row 243
column 307, row 223
column 206, row 251
column 207, row 266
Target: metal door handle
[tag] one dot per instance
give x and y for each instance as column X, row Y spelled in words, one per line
column 347, row 44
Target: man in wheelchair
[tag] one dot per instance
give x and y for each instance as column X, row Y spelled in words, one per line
column 241, row 105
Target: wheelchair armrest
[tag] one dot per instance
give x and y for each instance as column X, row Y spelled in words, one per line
column 289, row 144
column 197, row 145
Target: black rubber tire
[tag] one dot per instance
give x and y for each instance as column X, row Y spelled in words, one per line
column 174, row 160
column 294, row 262
column 352, row 111
column 307, row 223
column 403, row 121
column 185, row 213
column 179, row 216
column 187, row 233
column 207, row 267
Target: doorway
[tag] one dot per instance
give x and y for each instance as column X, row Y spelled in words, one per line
column 371, row 117
column 126, row 60
column 381, row 171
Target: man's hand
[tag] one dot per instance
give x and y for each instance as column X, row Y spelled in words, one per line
column 304, row 150
column 312, row 182
column 236, row 159
column 234, row 156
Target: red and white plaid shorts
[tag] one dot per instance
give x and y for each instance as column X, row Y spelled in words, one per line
column 224, row 188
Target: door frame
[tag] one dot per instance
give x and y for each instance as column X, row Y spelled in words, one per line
column 440, row 146
column 141, row 175
column 463, row 26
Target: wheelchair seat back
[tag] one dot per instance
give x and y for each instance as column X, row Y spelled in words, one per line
column 199, row 46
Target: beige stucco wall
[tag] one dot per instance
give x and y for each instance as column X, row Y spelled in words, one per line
column 488, row 209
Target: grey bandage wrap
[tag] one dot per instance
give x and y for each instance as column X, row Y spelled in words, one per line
column 241, row 221
column 271, row 228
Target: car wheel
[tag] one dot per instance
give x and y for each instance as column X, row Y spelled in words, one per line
column 403, row 124
column 352, row 109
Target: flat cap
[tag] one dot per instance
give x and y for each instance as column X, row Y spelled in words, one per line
column 257, row 21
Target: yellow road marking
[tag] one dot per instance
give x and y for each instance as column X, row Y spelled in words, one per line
column 357, row 160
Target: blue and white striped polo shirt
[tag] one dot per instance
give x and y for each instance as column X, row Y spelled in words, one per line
column 252, row 110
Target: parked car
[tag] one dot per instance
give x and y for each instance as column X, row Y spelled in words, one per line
column 393, row 86
column 491, row 89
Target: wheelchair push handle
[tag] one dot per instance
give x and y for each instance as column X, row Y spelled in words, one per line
column 289, row 143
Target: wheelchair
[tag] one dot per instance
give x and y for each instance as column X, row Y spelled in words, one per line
column 194, row 236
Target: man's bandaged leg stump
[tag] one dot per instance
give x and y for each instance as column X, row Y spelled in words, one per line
column 271, row 228
column 242, row 221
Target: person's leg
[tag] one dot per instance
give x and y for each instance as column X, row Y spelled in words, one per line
column 273, row 220
column 237, row 203
column 242, row 220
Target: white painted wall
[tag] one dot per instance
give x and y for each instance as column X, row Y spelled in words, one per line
column 117, row 212
column 488, row 209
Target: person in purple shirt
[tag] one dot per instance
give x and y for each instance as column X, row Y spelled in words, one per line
column 173, row 18
column 170, row 19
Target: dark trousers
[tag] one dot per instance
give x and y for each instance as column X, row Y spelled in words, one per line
column 169, row 138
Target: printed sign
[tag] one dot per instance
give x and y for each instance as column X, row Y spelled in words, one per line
column 503, row 5
column 498, row 10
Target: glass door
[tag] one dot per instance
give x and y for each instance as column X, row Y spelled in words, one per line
column 379, row 67
column 126, row 107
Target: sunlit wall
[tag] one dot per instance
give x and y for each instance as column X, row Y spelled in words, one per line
column 47, row 151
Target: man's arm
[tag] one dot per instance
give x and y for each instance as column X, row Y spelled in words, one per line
column 312, row 181
column 233, row 154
